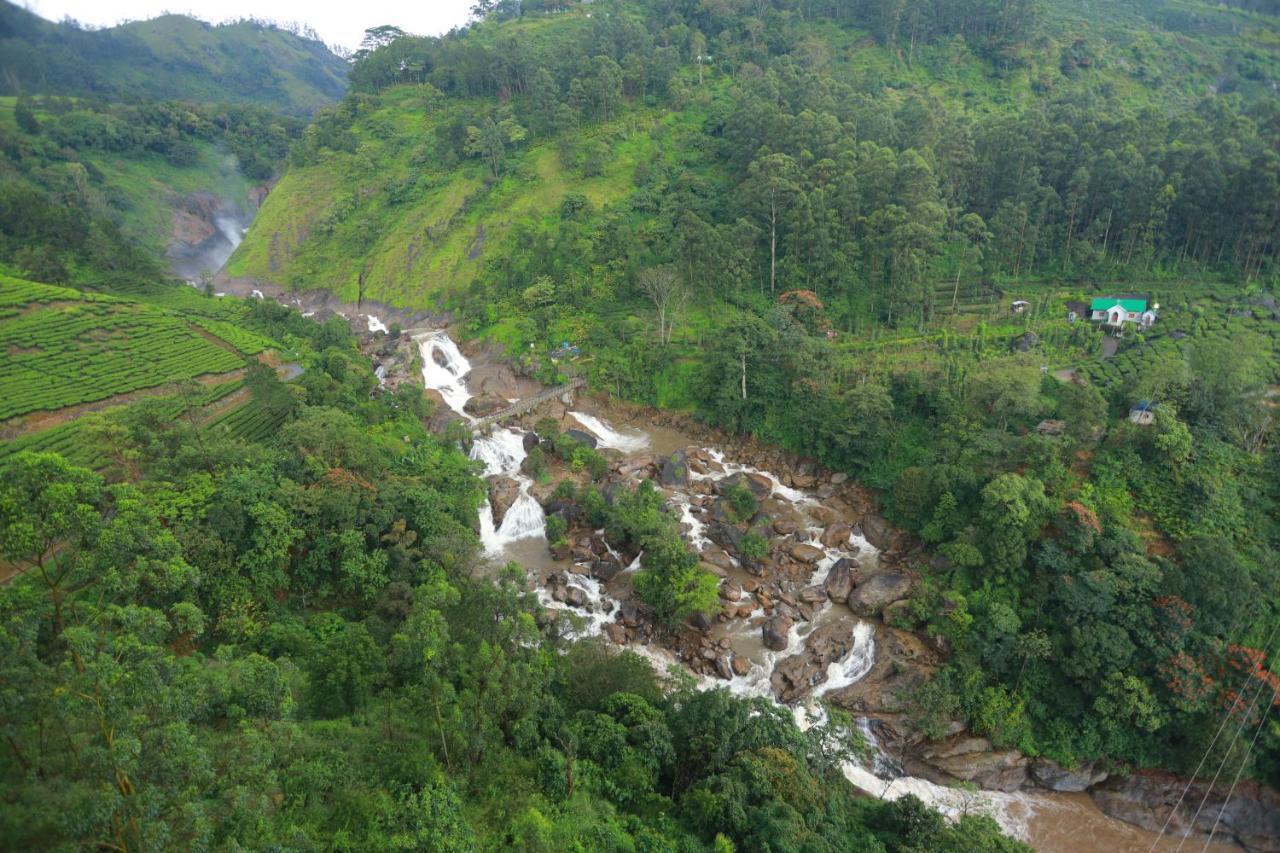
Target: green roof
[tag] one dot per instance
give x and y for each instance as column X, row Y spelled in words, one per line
column 1133, row 306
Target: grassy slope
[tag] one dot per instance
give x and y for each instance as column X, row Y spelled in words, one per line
column 326, row 223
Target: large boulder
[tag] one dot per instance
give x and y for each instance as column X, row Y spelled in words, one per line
column 793, row 677
column 806, row 553
column 503, row 492
column 483, row 405
column 582, row 437
column 839, row 582
column 530, row 441
column 1251, row 818
column 836, row 535
column 1052, row 775
column 759, row 484
column 674, row 470
column 967, row 758
column 879, row 532
column 775, row 633
column 879, row 591
column 606, row 568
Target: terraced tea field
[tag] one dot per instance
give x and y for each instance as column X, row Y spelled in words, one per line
column 60, row 347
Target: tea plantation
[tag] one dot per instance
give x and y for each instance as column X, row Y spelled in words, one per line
column 60, row 347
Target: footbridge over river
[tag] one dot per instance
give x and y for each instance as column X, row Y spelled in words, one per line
column 521, row 406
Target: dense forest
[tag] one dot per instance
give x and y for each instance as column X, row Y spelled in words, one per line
column 801, row 220
column 774, row 214
column 219, row 642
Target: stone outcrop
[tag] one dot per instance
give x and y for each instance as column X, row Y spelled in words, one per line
column 503, row 492
column 775, row 631
column 1251, row 819
column 966, row 758
column 873, row 595
column 1052, row 775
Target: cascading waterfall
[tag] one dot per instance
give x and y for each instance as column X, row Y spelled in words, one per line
column 502, row 452
column 607, row 436
column 448, row 375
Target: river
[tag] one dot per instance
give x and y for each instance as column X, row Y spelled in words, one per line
column 1048, row 821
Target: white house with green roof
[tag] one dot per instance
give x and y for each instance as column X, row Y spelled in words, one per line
column 1117, row 311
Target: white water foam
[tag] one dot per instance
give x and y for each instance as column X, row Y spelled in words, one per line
column 375, row 325
column 449, row 378
column 257, row 294
column 631, row 441
column 502, row 454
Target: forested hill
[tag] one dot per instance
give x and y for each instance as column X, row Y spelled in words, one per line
column 172, row 57
column 892, row 145
column 853, row 229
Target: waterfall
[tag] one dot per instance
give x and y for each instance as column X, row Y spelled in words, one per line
column 855, row 665
column 607, row 436
column 449, row 378
column 375, row 325
column 230, row 229
column 502, row 452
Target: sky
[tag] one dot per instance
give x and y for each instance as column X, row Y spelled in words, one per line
column 339, row 22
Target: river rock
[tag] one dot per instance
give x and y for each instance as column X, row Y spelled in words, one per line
column 674, row 470
column 785, row 527
column 794, row 677
column 774, row 632
column 836, row 534
column 839, row 582
column 730, row 591
column 830, row 642
column 1052, row 775
column 701, row 621
column 616, row 632
column 726, row 536
column 838, row 478
column 803, row 481
column 741, row 665
column 582, row 437
column 879, row 532
column 871, row 597
column 530, row 441
column 503, row 492
column 576, row 596
column 813, row 595
column 759, row 484
column 1144, row 798
column 723, row 667
column 972, row 759
column 628, row 614
column 483, row 405
column 806, row 553
column 606, row 568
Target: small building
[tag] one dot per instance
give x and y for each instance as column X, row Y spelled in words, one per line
column 1076, row 309
column 1143, row 413
column 1019, row 306
column 1114, row 312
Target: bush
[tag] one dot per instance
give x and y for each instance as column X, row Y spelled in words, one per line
column 754, row 546
column 556, row 528
column 741, row 501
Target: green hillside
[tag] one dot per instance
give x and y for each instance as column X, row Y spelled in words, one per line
column 172, row 57
column 91, row 190
column 810, row 223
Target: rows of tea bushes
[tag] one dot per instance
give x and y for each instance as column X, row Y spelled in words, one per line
column 61, row 347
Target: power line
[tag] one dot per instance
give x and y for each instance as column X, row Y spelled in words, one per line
column 1222, row 764
column 1266, row 712
column 1209, row 749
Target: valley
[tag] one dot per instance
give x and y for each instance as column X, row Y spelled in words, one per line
column 640, row 425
